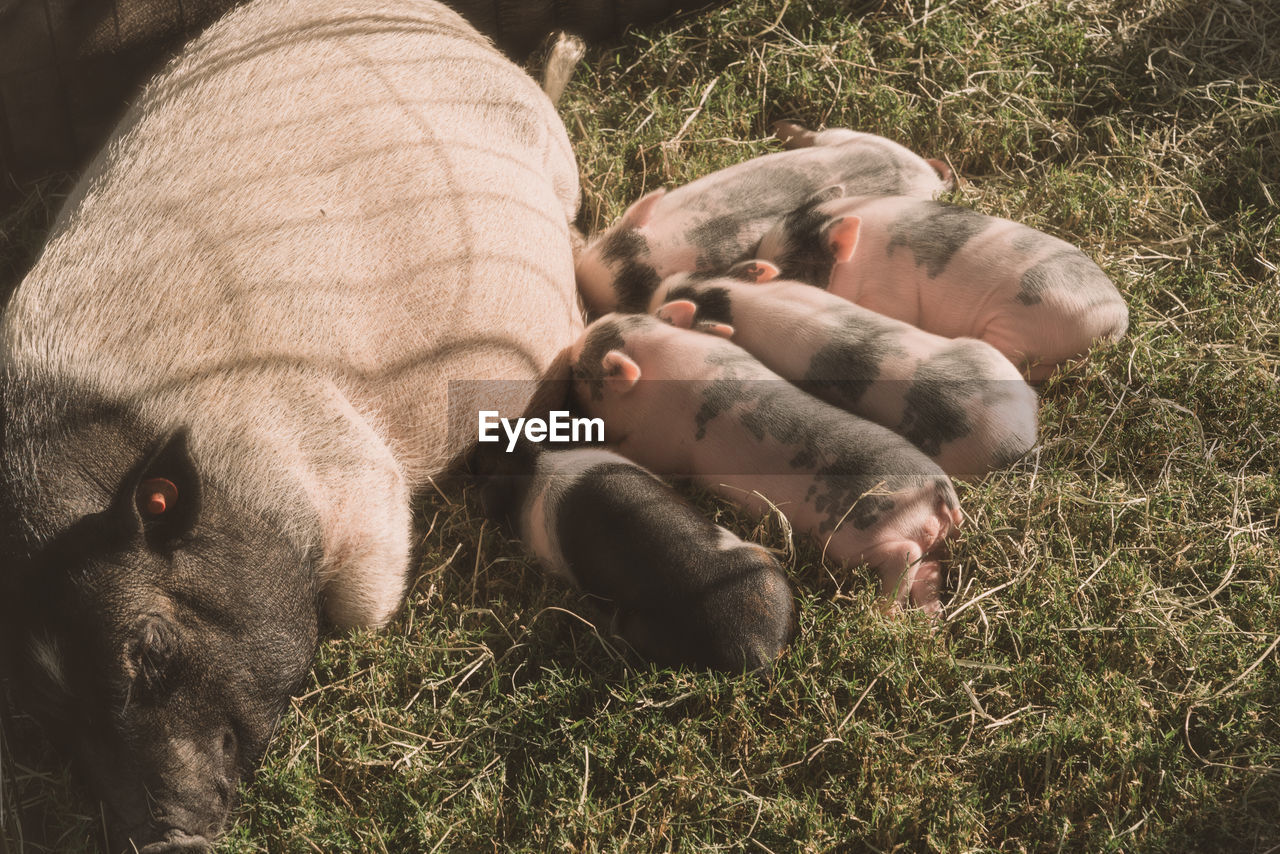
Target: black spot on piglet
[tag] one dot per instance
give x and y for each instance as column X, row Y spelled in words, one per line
column 934, row 232
column 714, row 303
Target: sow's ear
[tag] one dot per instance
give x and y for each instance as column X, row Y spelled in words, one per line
column 641, row 211
column 164, row 493
column 620, row 371
column 842, row 237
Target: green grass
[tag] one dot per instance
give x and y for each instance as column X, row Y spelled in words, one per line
column 1107, row 677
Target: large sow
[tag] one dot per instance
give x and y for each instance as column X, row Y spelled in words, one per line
column 231, row 367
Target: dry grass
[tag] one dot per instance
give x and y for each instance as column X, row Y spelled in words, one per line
column 1106, row 678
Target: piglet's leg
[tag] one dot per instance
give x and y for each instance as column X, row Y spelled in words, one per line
column 793, row 135
column 1036, row 347
column 892, row 562
column 926, row 585
column 905, row 577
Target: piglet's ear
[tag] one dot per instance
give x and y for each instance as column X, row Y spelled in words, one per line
column 944, row 172
column 620, row 371
column 641, row 211
column 842, row 237
column 757, row 270
column 711, row 327
column 166, row 492
column 678, row 312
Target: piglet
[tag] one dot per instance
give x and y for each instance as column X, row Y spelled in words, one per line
column 953, row 272
column 718, row 219
column 958, row 400
column 687, row 591
column 681, row 402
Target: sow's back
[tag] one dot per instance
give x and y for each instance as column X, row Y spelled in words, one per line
column 311, row 223
column 67, row 66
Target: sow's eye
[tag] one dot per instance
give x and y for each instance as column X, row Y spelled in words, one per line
column 153, row 650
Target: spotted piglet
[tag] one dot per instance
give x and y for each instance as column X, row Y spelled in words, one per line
column 958, row 400
column 687, row 591
column 717, row 220
column 953, row 272
column 685, row 403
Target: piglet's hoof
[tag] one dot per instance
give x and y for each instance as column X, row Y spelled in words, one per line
column 793, row 135
column 920, row 585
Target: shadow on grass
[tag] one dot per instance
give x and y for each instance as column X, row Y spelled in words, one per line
column 1213, row 69
column 44, row 811
column 1244, row 819
column 24, row 225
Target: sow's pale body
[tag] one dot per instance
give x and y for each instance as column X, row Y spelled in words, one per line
column 232, row 363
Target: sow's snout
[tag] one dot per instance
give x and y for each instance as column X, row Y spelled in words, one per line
column 150, row 620
column 174, row 843
column 178, row 794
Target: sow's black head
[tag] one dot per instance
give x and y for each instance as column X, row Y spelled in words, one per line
column 153, row 625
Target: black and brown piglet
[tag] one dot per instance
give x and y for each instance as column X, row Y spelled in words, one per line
column 685, row 590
